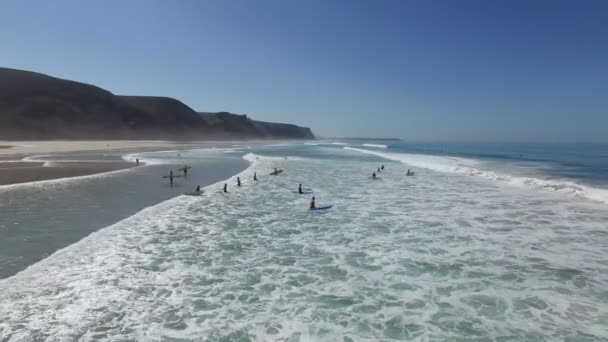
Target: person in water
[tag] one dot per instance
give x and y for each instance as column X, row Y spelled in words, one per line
column 276, row 172
column 382, row 168
column 225, row 187
column 374, row 175
column 198, row 188
column 255, row 176
column 300, row 189
column 312, row 203
column 379, row 170
column 238, row 181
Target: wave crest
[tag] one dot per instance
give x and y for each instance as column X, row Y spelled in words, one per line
column 467, row 167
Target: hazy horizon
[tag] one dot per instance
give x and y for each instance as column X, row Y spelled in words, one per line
column 424, row 71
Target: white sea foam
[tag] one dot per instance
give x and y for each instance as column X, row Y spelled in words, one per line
column 435, row 259
column 375, row 145
column 467, row 167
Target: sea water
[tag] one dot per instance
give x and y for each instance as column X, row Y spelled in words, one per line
column 450, row 254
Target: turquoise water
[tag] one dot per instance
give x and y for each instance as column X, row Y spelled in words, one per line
column 451, row 254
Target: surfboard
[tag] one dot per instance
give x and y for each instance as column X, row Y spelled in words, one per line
column 303, row 192
column 321, row 207
column 276, row 173
column 194, row 193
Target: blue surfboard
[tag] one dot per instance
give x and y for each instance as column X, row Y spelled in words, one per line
column 321, row 207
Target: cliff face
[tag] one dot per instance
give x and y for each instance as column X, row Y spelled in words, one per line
column 241, row 126
column 34, row 106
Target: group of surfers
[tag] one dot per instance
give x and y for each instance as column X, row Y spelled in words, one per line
column 300, row 191
column 381, row 168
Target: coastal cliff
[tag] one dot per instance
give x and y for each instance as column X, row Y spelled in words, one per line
column 35, row 106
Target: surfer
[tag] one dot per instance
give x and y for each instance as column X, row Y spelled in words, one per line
column 379, row 170
column 300, row 189
column 225, row 187
column 238, row 181
column 374, row 175
column 198, row 188
column 137, row 161
column 255, row 176
column 382, row 168
column 312, row 203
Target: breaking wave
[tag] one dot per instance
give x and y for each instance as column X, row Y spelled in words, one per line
column 467, row 167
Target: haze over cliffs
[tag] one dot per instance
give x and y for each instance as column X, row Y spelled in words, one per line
column 35, row 106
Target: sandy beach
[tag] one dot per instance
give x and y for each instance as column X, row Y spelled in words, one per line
column 8, row 148
column 13, row 169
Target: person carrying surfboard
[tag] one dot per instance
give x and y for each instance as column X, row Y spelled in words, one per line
column 312, row 203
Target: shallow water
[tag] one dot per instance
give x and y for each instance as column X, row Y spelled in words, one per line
column 435, row 257
column 36, row 219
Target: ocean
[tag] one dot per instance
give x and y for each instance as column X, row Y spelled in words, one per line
column 486, row 242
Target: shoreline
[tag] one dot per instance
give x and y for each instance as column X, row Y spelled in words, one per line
column 73, row 210
column 16, row 169
column 14, row 173
column 31, row 147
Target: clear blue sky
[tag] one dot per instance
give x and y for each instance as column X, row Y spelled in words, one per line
column 505, row 70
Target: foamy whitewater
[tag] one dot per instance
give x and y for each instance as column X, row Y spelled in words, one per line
column 441, row 256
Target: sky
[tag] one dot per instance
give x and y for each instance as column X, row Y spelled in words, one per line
column 452, row 70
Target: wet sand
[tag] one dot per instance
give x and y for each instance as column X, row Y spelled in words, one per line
column 22, row 172
column 14, row 170
column 57, row 146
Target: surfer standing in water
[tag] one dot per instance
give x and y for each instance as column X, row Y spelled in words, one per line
column 382, row 168
column 300, row 189
column 198, row 188
column 374, row 175
column 312, row 203
column 255, row 176
column 225, row 187
column 238, row 181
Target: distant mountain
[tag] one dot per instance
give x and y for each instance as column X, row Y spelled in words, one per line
column 35, row 106
column 240, row 125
